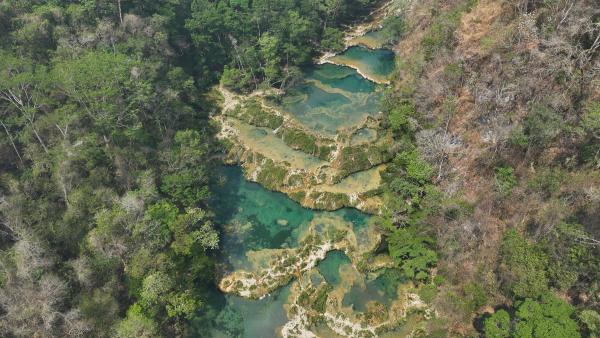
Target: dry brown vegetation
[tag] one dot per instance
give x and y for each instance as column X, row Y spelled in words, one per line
column 505, row 59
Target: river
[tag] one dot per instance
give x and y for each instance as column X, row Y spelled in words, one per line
column 259, row 224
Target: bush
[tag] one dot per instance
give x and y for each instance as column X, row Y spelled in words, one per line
column 399, row 117
column 548, row 317
column 504, row 180
column 497, row 325
column 522, row 267
column 428, row 293
column 354, row 159
column 255, row 115
column 300, row 140
column 271, row 176
column 235, row 80
column 547, row 181
column 393, row 28
column 475, row 297
column 542, row 125
column 441, row 33
column 413, row 252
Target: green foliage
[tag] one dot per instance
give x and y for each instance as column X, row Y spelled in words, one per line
column 136, row 324
column 399, row 117
column 546, row 317
column 156, row 288
column 182, row 304
column 410, row 197
column 497, row 325
column 271, row 176
column 591, row 322
column 186, row 179
column 542, row 125
column 235, row 79
column 288, row 35
column 522, row 267
column 591, row 120
column 333, row 40
column 96, row 81
column 428, row 292
column 518, row 138
column 549, row 317
column 571, row 258
column 103, row 171
column 193, row 231
column 254, row 114
column 270, row 49
column 505, row 180
column 547, row 181
column 300, row 140
column 354, row 158
column 320, row 298
column 417, row 170
column 441, row 32
column 413, row 252
column 590, row 123
column 393, row 29
column 415, row 180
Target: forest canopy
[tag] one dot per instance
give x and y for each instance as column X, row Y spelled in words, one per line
column 106, row 177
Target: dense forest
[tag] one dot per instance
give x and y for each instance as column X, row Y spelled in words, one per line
column 106, row 170
column 108, row 157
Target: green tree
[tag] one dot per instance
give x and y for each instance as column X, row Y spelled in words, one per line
column 270, row 51
column 548, row 317
column 136, row 325
column 186, row 178
column 522, row 266
column 95, row 82
column 591, row 321
column 400, row 116
column 413, row 252
column 333, row 40
column 497, row 325
column 193, row 229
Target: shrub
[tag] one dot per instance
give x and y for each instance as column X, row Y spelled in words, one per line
column 399, row 117
column 522, row 267
column 393, row 28
column 428, row 292
column 548, row 317
column 547, row 181
column 255, row 115
column 475, row 297
column 271, row 176
column 497, row 325
column 300, row 140
column 413, row 252
column 542, row 125
column 441, row 33
column 504, row 180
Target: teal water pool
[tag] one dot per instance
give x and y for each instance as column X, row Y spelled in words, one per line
column 332, row 97
column 329, row 268
column 254, row 218
column 377, row 64
column 381, row 289
column 364, row 135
